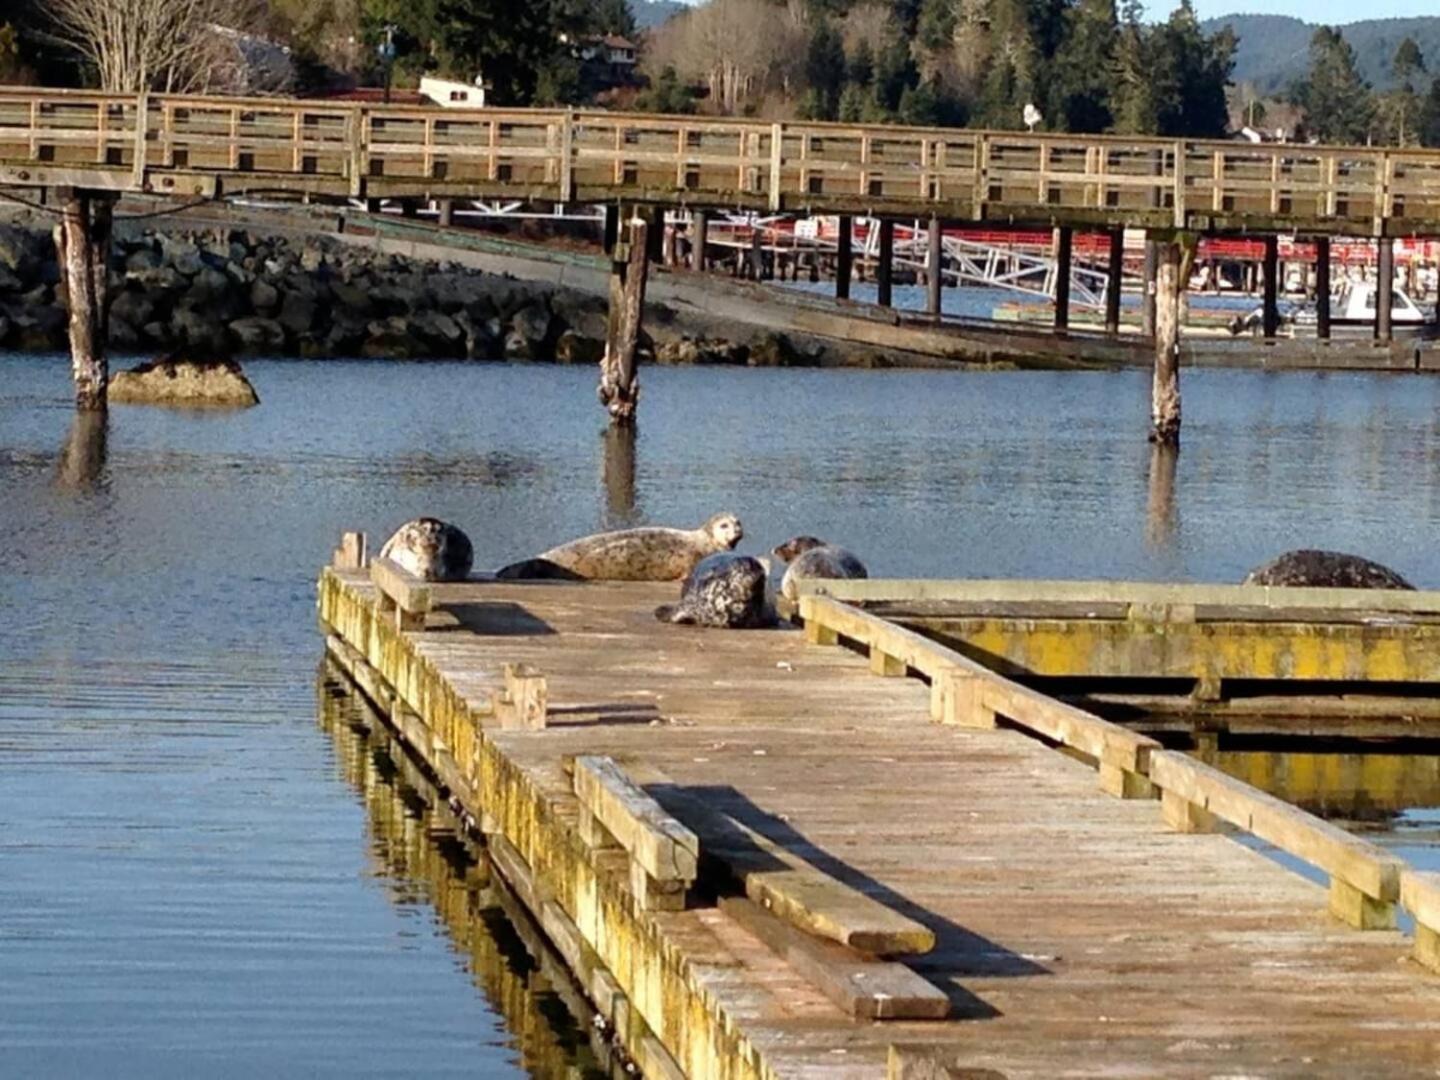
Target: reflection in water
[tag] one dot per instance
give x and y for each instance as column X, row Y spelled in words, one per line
column 1356, row 786
column 81, row 466
column 618, row 475
column 1162, row 518
column 418, row 854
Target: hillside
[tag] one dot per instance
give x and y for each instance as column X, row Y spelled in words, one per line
column 650, row 13
column 1274, row 49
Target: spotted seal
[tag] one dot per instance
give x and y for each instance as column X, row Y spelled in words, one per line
column 811, row 557
column 646, row 554
column 727, row 591
column 1326, row 569
column 431, row 549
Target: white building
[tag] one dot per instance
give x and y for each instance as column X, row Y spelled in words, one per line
column 451, row 94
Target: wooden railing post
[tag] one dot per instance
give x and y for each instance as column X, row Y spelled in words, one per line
column 567, row 157
column 142, row 135
column 777, row 159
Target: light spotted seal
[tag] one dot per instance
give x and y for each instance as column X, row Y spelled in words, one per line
column 647, row 554
column 726, row 591
column 1326, row 569
column 431, row 549
column 811, row 557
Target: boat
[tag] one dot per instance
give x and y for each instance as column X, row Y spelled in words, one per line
column 1352, row 313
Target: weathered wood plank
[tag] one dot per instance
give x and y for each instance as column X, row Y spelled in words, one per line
column 400, row 588
column 665, row 848
column 864, row 988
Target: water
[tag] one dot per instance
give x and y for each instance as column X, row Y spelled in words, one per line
column 190, row 882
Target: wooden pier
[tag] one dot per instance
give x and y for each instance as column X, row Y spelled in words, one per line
column 734, row 838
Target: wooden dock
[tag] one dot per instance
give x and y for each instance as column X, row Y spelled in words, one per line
column 708, row 824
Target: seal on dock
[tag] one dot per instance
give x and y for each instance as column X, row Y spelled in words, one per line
column 430, row 549
column 726, row 591
column 811, row 557
column 645, row 554
column 1325, row 569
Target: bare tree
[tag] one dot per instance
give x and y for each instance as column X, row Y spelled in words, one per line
column 138, row 45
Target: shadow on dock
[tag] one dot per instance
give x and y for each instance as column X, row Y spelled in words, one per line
column 496, row 619
column 958, row 952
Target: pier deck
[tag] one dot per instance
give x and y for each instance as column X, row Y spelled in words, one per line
column 1076, row 935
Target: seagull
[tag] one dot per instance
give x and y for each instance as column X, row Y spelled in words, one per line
column 1032, row 116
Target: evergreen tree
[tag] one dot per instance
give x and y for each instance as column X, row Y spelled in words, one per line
column 1009, row 83
column 1193, row 71
column 1428, row 121
column 1081, row 86
column 861, row 71
column 935, row 26
column 1133, row 103
column 894, row 71
column 1399, row 107
column 825, row 71
column 1336, row 100
column 852, row 103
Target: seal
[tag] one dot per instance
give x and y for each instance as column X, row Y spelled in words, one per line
column 811, row 557
column 726, row 591
column 1325, row 569
column 646, row 554
column 431, row 549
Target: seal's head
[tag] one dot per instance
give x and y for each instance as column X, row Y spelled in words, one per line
column 724, row 531
column 797, row 545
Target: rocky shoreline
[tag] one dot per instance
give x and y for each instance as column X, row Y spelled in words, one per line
column 215, row 294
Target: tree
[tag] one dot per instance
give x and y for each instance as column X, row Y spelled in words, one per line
column 1193, row 70
column 935, row 26
column 1428, row 121
column 1337, row 103
column 1399, row 107
column 861, row 69
column 824, row 71
column 1080, row 88
column 138, row 45
column 667, row 94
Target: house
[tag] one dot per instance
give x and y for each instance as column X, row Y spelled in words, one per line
column 452, row 94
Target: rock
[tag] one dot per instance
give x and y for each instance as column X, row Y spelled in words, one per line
column 173, row 381
column 573, row 348
column 392, row 300
column 390, row 339
column 142, row 259
column 352, row 298
column 439, row 331
column 133, row 306
column 687, row 350
column 199, row 331
column 187, row 263
column 311, row 260
column 258, row 335
column 121, row 334
column 10, row 281
column 264, row 296
column 4, row 329
column 530, row 327
column 297, row 313
column 22, row 251
column 775, row 350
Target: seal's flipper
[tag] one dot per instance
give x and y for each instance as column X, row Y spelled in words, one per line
column 536, row 570
column 672, row 613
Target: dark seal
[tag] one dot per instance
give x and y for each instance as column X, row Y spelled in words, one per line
column 811, row 557
column 1326, row 570
column 724, row 591
column 431, row 549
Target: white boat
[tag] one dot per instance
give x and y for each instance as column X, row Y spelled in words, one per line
column 1352, row 313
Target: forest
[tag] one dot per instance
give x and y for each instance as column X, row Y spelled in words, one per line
column 1084, row 66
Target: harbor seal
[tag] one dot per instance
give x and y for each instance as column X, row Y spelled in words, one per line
column 726, row 591
column 1326, row 569
column 811, row 557
column 430, row 549
column 646, row 554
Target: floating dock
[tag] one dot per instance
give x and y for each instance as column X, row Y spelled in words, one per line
column 767, row 854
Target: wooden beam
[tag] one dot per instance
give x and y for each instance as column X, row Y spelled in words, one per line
column 1114, row 281
column 863, row 988
column 1064, row 238
column 665, row 850
column 1384, row 287
column 619, row 383
column 935, row 268
column 1420, row 896
column 844, row 256
column 526, row 697
column 885, row 263
column 1322, row 287
column 909, row 1062
column 1270, row 275
column 398, row 590
column 351, row 554
column 1165, row 382
column 1368, row 876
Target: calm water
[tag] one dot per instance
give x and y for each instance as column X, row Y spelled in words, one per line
column 191, row 882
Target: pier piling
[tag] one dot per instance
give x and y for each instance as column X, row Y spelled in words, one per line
column 844, row 257
column 1270, row 273
column 1384, row 287
column 619, row 386
column 82, row 242
column 935, row 268
column 1063, row 244
column 1165, row 388
column 700, row 224
column 885, row 263
column 1322, row 287
column 1114, row 281
column 1147, row 296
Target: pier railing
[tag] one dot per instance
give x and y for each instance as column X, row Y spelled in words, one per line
column 1366, row 881
column 199, row 146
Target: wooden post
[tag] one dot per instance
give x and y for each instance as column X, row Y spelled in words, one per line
column 446, row 209
column 1147, row 299
column 885, row 263
column 1064, row 238
column 844, row 257
column 757, row 254
column 1114, row 280
column 618, row 475
column 1384, row 287
column 655, row 235
column 82, row 243
column 619, row 386
column 935, row 269
column 701, row 220
column 1165, row 389
column 1270, row 315
column 1322, row 287
column 610, row 235
column 1160, row 515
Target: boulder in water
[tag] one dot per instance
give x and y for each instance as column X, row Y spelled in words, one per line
column 177, row 381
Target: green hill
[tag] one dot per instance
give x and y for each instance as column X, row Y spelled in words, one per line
column 1274, row 49
column 650, row 13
